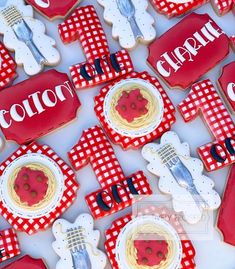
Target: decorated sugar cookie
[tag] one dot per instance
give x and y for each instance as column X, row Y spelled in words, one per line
column 130, row 20
column 226, row 219
column 26, row 262
column 134, row 110
column 26, row 37
column 117, row 190
column 181, row 176
column 227, row 84
column 53, row 9
column 154, row 239
column 36, row 187
column 223, row 6
column 101, row 65
column 204, row 98
column 173, row 8
column 180, row 61
column 77, row 244
column 42, row 103
column 9, row 245
column 7, row 67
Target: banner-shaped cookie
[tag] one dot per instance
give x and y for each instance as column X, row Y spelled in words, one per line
column 227, row 84
column 176, row 8
column 53, row 9
column 7, row 67
column 26, row 262
column 204, row 99
column 117, row 190
column 37, row 106
column 101, row 65
column 181, row 61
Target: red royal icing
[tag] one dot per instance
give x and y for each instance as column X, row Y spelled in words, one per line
column 27, row 262
column 151, row 252
column 132, row 105
column 31, row 186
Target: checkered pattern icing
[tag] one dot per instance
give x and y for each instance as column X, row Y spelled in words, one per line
column 136, row 142
column 204, row 98
column 116, row 227
column 172, row 9
column 32, row 225
column 223, row 6
column 101, row 66
column 7, row 67
column 94, row 148
column 9, row 245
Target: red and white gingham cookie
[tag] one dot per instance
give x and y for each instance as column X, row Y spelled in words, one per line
column 117, row 190
column 32, row 225
column 172, row 9
column 128, row 142
column 7, row 67
column 223, row 6
column 9, row 245
column 101, row 66
column 112, row 233
column 204, row 98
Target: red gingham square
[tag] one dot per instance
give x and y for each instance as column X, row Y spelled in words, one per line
column 9, row 245
column 136, row 142
column 32, row 225
column 204, row 97
column 84, row 25
column 172, row 9
column 7, row 67
column 112, row 233
column 223, row 6
column 94, row 148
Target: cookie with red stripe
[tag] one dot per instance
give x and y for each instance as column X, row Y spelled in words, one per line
column 53, row 9
column 7, row 67
column 36, row 187
column 174, row 8
column 117, row 190
column 101, row 65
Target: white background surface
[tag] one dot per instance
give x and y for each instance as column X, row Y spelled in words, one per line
column 209, row 254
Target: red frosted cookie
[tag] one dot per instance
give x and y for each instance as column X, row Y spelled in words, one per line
column 53, row 9
column 173, row 9
column 151, row 252
column 132, row 105
column 27, row 262
column 31, row 185
column 181, row 61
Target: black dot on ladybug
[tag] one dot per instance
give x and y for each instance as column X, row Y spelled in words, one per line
column 25, row 177
column 144, row 260
column 26, row 187
column 148, row 250
column 39, row 178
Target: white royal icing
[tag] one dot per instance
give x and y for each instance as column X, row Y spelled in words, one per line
column 121, row 27
column 44, row 43
column 86, row 255
column 182, row 199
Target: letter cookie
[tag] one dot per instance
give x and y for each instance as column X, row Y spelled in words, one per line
column 180, row 61
column 226, row 220
column 101, row 66
column 9, row 245
column 7, row 67
column 227, row 84
column 134, row 110
column 204, row 99
column 117, row 190
column 26, row 37
column 154, row 239
column 181, row 176
column 42, row 104
column 36, row 187
column 53, row 9
column 77, row 244
column 174, row 8
column 130, row 20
